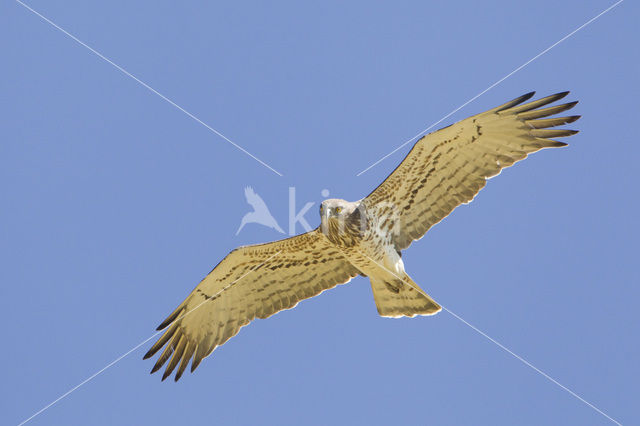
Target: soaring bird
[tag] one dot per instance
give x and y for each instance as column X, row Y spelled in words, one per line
column 260, row 213
column 443, row 170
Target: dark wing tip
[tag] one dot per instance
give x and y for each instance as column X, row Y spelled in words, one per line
column 526, row 96
column 194, row 364
column 552, row 133
column 172, row 317
column 534, row 105
column 514, row 102
column 566, row 132
column 569, row 105
column 168, row 321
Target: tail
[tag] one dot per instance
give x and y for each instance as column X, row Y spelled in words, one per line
column 397, row 298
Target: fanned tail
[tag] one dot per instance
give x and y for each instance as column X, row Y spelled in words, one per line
column 402, row 298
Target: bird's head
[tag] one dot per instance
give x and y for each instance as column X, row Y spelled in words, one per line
column 336, row 213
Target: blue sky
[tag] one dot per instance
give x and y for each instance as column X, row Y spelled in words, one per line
column 115, row 204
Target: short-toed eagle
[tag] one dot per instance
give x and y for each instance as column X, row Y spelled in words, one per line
column 443, row 170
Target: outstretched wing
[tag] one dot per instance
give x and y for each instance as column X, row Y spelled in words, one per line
column 450, row 166
column 251, row 282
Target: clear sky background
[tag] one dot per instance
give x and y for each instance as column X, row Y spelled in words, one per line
column 115, row 204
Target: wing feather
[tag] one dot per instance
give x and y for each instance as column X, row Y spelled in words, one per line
column 251, row 282
column 450, row 166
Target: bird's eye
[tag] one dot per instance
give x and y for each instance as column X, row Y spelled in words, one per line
column 321, row 208
column 338, row 210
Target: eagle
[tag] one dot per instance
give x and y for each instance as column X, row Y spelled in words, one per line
column 443, row 170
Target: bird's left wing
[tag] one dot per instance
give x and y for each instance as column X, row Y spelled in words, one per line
column 251, row 282
column 450, row 166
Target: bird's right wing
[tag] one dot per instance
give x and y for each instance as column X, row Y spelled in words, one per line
column 251, row 282
column 449, row 167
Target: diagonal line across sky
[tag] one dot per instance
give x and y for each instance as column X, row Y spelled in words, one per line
column 501, row 346
column 124, row 355
column 128, row 74
column 489, row 88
